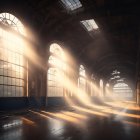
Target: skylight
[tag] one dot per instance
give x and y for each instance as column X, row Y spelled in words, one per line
column 90, row 25
column 72, row 4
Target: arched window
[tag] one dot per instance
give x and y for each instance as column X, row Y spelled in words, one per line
column 122, row 90
column 101, row 87
column 82, row 71
column 12, row 61
column 56, row 49
column 93, row 85
column 56, row 71
column 107, row 90
column 82, row 78
column 11, row 21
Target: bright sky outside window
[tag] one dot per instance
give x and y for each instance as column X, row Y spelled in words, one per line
column 90, row 25
column 72, row 4
column 56, row 49
column 107, row 84
column 82, row 71
column 56, row 71
column 120, row 80
column 115, row 75
column 56, row 62
column 81, row 79
column 101, row 87
column 122, row 85
column 122, row 90
column 12, row 60
column 115, row 72
column 12, row 21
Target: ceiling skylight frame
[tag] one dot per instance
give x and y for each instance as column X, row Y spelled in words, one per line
column 71, row 5
column 90, row 25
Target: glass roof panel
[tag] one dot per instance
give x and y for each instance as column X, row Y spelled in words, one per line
column 71, row 4
column 90, row 25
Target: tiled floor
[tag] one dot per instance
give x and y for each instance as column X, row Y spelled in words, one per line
column 113, row 121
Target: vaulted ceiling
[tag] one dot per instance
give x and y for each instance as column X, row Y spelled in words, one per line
column 114, row 46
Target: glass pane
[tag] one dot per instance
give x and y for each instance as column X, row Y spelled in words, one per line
column 9, row 91
column 9, row 73
column 21, row 91
column 13, row 74
column 1, row 80
column 17, row 92
column 1, row 71
column 13, row 89
column 5, row 80
column 13, row 81
column 17, row 82
column 5, row 72
column 21, row 83
column 5, row 91
column 9, row 81
column 1, row 90
column 1, row 64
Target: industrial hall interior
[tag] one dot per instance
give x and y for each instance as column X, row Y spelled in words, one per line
column 69, row 70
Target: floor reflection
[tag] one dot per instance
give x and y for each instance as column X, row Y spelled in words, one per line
column 13, row 134
column 12, row 124
column 79, row 122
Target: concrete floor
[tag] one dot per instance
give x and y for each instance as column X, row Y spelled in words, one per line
column 113, row 121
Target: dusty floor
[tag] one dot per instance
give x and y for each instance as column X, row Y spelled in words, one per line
column 113, row 121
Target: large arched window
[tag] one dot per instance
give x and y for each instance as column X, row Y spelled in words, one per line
column 122, row 90
column 56, row 72
column 12, row 61
column 82, row 78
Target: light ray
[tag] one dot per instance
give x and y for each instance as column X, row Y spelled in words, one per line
column 63, row 117
column 28, row 121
